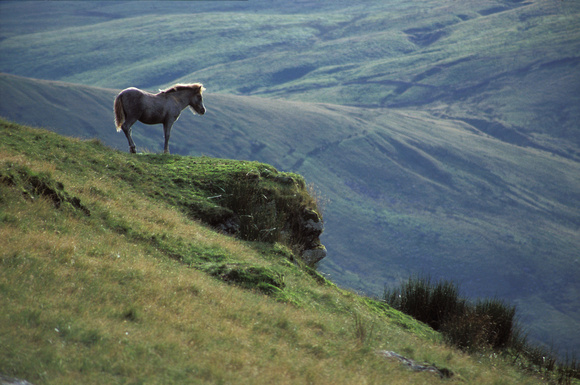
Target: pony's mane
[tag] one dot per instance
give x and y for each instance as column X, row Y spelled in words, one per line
column 198, row 87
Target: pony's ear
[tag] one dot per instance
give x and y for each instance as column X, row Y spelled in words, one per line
column 201, row 89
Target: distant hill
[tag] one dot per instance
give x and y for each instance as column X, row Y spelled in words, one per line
column 444, row 134
column 508, row 66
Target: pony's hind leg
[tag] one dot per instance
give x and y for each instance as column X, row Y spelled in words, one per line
column 126, row 127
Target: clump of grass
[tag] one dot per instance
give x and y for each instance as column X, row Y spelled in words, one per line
column 568, row 369
column 488, row 323
column 362, row 331
column 252, row 200
column 502, row 318
column 431, row 303
column 247, row 276
column 545, row 360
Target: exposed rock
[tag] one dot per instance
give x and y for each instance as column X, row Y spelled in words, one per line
column 230, row 225
column 314, row 228
column 415, row 366
column 312, row 256
column 4, row 380
column 311, row 228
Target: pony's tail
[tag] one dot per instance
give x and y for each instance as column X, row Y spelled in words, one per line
column 119, row 113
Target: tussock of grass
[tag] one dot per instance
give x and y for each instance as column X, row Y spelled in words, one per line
column 103, row 298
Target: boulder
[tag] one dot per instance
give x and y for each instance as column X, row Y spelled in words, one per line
column 312, row 256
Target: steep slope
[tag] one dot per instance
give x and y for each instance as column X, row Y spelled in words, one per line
column 407, row 192
column 103, row 282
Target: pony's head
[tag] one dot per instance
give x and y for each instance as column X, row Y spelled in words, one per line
column 195, row 91
column 196, row 102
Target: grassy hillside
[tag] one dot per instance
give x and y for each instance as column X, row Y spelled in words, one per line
column 405, row 192
column 104, row 282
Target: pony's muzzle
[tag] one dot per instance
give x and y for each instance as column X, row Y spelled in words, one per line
column 198, row 109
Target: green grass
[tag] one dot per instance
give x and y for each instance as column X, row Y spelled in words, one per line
column 95, row 299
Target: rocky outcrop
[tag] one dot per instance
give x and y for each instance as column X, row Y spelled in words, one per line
column 268, row 206
column 311, row 228
column 312, row 256
column 250, row 200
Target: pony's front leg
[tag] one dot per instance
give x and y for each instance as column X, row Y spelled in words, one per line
column 167, row 133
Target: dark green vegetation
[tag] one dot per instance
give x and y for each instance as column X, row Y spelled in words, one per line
column 123, row 286
column 460, row 158
column 487, row 323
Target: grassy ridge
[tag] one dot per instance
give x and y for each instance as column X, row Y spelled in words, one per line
column 90, row 295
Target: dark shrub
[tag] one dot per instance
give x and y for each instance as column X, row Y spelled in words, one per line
column 489, row 323
column 430, row 303
column 500, row 319
column 472, row 327
column 468, row 331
